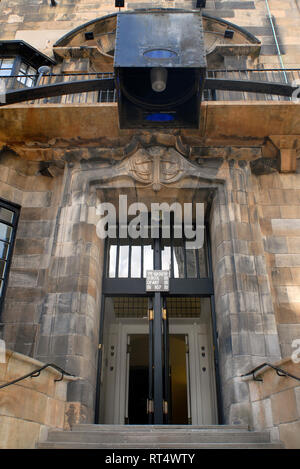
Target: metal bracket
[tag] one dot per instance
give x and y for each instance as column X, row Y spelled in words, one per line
column 281, row 374
column 150, row 314
column 165, row 407
column 150, row 406
column 59, row 379
column 256, row 379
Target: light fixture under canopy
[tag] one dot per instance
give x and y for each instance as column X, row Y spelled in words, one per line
column 159, row 68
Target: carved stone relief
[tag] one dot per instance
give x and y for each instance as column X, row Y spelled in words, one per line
column 153, row 167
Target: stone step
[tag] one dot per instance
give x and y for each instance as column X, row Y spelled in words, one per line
column 174, row 437
column 157, row 428
column 88, row 436
column 191, row 446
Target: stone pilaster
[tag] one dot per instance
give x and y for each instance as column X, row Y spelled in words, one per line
column 71, row 310
column 245, row 316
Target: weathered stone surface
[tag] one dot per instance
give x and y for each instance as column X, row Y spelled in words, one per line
column 53, row 299
column 284, row 406
column 29, row 407
column 275, row 402
column 289, row 434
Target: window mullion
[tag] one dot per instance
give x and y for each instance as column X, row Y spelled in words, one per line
column 16, row 65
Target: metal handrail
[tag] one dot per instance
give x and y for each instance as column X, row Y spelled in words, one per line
column 280, row 372
column 50, row 75
column 36, row 373
column 111, row 74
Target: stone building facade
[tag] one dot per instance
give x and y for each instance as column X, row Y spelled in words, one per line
column 61, row 157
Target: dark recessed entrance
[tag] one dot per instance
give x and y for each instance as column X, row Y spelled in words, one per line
column 138, row 373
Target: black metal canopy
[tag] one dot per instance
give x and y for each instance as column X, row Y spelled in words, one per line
column 159, row 66
column 26, row 51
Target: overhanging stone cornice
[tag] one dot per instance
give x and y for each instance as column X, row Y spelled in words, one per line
column 42, row 129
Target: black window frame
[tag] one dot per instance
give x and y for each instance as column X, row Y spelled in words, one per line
column 179, row 286
column 14, row 81
column 21, row 61
column 11, row 244
column 3, row 57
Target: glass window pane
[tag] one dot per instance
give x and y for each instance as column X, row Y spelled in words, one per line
column 5, row 232
column 148, row 259
column 178, row 260
column 166, row 258
column 191, row 263
column 7, row 63
column 3, row 250
column 22, row 80
column 23, row 68
column 5, row 72
column 123, row 261
column 31, row 71
column 112, row 261
column 203, row 262
column 136, row 261
column 2, row 268
column 29, row 82
column 6, row 215
column 6, row 66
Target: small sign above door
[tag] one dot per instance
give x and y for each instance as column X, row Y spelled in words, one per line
column 157, row 280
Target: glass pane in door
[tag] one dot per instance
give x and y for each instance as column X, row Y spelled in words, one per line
column 138, row 350
column 178, row 408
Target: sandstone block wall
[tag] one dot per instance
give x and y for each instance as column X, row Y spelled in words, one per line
column 38, row 196
column 52, row 304
column 245, row 314
column 41, row 25
column 278, row 196
column 275, row 404
column 32, row 406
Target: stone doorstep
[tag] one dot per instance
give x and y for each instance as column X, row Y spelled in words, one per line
column 169, row 436
column 191, row 446
column 122, row 436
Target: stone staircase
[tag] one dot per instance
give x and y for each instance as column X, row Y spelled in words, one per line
column 158, row 437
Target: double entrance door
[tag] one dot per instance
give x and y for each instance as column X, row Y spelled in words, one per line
column 186, row 391
column 153, row 367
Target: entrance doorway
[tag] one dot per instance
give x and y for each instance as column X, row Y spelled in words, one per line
column 158, row 348
column 126, row 374
column 136, row 377
column 137, row 372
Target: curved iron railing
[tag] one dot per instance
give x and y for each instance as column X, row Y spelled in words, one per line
column 279, row 371
column 36, row 373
